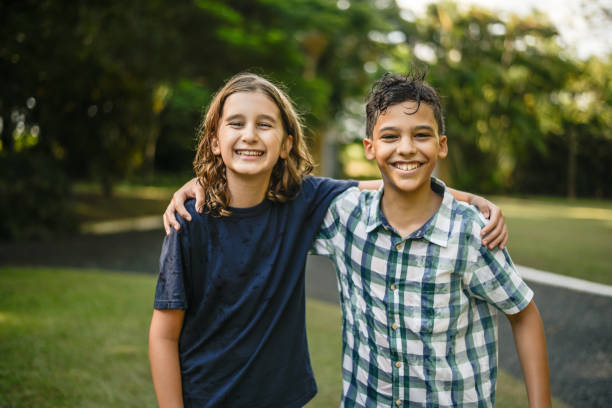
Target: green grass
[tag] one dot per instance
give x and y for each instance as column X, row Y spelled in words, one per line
column 569, row 238
column 72, row 338
column 78, row 338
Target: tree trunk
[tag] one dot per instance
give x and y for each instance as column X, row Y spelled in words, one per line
column 8, row 144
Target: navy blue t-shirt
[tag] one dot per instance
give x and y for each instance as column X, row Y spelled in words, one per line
column 240, row 280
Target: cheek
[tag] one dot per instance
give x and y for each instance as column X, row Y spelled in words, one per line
column 383, row 152
column 276, row 144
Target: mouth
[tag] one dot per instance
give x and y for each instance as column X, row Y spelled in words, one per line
column 407, row 166
column 249, row 153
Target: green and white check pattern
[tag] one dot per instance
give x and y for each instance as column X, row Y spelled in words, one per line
column 419, row 314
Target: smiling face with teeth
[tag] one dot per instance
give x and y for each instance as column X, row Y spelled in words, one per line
column 406, row 146
column 250, row 137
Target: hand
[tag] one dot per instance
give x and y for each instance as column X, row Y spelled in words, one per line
column 191, row 189
column 495, row 232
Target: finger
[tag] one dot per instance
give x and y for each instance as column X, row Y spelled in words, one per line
column 497, row 240
column 493, row 217
column 486, row 212
column 169, row 214
column 178, row 203
column 505, row 240
column 199, row 192
column 167, row 226
column 492, row 235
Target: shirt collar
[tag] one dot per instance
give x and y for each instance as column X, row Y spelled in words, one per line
column 436, row 230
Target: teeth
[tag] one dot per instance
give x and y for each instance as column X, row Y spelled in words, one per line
column 249, row 152
column 407, row 166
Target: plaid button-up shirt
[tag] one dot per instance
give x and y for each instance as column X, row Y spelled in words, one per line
column 419, row 314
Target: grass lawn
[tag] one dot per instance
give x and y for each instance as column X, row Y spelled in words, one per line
column 573, row 239
column 78, row 338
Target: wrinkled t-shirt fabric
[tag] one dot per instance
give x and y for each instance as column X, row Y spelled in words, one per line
column 240, row 280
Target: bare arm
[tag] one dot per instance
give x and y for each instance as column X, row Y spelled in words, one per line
column 530, row 344
column 163, row 355
column 494, row 233
column 370, row 184
column 193, row 189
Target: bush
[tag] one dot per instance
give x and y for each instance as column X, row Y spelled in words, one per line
column 35, row 197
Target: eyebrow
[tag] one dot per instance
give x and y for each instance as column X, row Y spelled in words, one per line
column 240, row 116
column 419, row 127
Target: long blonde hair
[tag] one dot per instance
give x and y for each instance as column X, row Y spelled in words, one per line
column 286, row 177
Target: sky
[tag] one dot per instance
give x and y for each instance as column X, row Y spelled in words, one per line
column 582, row 36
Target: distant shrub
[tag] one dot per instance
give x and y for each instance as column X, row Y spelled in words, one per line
column 35, row 197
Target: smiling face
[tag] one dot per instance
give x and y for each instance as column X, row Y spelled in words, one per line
column 406, row 146
column 250, row 136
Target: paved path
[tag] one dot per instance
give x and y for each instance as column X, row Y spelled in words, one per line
column 578, row 325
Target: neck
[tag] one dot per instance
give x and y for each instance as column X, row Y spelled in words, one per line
column 408, row 211
column 247, row 191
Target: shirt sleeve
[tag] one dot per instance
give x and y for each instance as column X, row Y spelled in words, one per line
column 320, row 191
column 170, row 289
column 322, row 244
column 331, row 235
column 493, row 278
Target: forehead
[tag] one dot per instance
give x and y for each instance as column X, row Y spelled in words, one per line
column 405, row 115
column 250, row 104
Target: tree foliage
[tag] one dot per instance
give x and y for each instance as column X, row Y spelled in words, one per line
column 112, row 89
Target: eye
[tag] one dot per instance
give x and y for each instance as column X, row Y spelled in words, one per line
column 388, row 136
column 265, row 125
column 422, row 135
column 235, row 123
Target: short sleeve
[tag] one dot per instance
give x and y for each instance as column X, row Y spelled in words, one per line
column 320, row 191
column 170, row 289
column 322, row 245
column 493, row 278
column 331, row 236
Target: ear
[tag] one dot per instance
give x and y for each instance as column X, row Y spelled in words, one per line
column 286, row 147
column 443, row 147
column 214, row 146
column 368, row 145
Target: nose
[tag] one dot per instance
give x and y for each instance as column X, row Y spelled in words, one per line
column 249, row 134
column 406, row 146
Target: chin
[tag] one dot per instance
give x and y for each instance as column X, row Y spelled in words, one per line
column 410, row 187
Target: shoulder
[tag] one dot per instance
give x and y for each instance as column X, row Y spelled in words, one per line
column 353, row 202
column 197, row 219
column 468, row 220
column 313, row 184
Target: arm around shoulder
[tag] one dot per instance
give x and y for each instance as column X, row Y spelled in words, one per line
column 164, row 358
column 369, row 184
column 495, row 233
column 530, row 344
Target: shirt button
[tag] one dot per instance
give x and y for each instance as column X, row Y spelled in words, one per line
column 398, row 402
column 394, row 326
column 398, row 364
column 393, row 287
column 399, row 246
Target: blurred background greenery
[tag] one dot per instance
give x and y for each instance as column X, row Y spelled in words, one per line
column 99, row 102
column 104, row 92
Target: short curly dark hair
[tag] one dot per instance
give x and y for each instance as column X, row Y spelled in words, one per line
column 392, row 89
